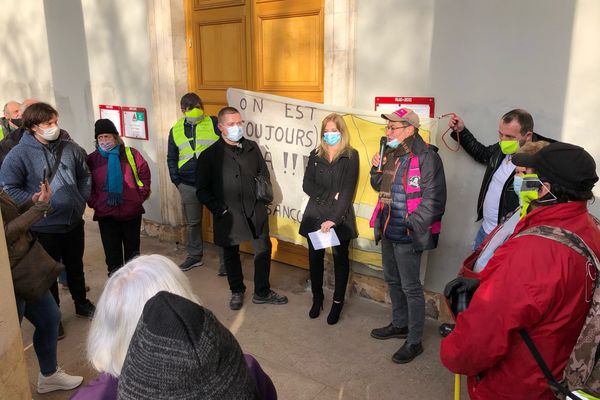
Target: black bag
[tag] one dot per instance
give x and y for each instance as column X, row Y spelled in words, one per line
column 264, row 189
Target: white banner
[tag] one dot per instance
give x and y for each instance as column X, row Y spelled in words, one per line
column 287, row 130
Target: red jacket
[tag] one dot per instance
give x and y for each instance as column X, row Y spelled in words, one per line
column 133, row 196
column 533, row 283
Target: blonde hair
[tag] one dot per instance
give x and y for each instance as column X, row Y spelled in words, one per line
column 121, row 304
column 322, row 150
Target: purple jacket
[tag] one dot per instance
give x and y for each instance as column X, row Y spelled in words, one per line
column 104, row 387
column 133, row 196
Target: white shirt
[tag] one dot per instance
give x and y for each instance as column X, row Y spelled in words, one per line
column 491, row 203
column 496, row 241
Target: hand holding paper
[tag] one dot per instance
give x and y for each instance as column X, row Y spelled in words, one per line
column 321, row 240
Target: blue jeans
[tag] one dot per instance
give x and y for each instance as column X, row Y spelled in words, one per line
column 401, row 268
column 479, row 238
column 44, row 315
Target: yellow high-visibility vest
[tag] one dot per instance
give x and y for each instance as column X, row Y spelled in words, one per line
column 1, row 132
column 205, row 136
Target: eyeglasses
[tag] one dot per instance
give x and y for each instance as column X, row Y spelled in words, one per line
column 395, row 128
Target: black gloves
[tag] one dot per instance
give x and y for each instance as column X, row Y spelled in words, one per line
column 461, row 285
column 459, row 292
column 221, row 211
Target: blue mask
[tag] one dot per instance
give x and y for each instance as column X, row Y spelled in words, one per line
column 393, row 143
column 518, row 181
column 332, row 138
column 234, row 133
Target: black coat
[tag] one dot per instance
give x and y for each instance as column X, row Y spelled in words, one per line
column 228, row 190
column 322, row 180
column 491, row 156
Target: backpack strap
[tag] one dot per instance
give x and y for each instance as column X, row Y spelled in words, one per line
column 573, row 241
column 553, row 383
column 133, row 166
column 566, row 237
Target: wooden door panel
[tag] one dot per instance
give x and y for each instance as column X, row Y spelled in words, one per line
column 223, row 44
column 294, row 62
column 288, row 48
column 218, row 54
column 205, row 4
column 272, row 46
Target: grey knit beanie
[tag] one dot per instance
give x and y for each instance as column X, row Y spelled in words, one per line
column 181, row 351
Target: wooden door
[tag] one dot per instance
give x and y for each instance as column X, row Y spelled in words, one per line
column 270, row 46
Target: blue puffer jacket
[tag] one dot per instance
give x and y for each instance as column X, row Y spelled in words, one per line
column 433, row 199
column 394, row 219
column 22, row 171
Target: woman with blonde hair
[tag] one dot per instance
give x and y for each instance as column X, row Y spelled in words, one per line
column 330, row 182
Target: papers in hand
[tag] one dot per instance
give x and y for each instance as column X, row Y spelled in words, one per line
column 322, row 240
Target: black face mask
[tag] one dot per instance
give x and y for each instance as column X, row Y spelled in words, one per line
column 18, row 122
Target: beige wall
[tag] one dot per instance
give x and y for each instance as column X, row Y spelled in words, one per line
column 481, row 59
column 13, row 373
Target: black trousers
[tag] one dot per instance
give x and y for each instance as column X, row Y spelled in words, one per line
column 341, row 268
column 262, row 266
column 67, row 248
column 120, row 239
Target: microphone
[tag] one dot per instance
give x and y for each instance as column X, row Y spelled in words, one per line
column 382, row 144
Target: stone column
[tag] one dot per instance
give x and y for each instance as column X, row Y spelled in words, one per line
column 13, row 374
column 340, row 17
column 166, row 28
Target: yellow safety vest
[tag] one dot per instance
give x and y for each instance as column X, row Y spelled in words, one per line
column 1, row 132
column 131, row 162
column 205, row 136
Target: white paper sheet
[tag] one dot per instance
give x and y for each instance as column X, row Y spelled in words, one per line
column 322, row 240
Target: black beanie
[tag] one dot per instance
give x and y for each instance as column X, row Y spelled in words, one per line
column 179, row 350
column 105, row 126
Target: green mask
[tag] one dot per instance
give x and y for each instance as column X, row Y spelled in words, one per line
column 529, row 191
column 194, row 116
column 509, row 146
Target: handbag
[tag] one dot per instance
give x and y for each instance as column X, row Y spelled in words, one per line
column 34, row 273
column 262, row 184
column 264, row 189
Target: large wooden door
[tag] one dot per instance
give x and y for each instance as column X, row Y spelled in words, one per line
column 271, row 46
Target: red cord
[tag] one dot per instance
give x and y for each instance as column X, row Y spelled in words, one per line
column 449, row 130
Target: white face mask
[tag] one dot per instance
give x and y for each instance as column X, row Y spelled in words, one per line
column 234, row 133
column 50, row 134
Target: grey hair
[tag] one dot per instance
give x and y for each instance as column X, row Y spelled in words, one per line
column 121, row 303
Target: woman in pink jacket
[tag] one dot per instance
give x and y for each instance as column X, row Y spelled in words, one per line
column 120, row 185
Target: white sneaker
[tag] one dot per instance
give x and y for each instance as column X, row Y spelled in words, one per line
column 59, row 380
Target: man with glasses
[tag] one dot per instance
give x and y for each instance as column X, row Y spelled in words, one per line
column 407, row 220
column 496, row 196
column 225, row 184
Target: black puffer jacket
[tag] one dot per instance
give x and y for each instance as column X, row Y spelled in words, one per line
column 491, row 156
column 433, row 196
column 322, row 181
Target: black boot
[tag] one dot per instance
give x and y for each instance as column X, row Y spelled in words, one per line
column 334, row 314
column 317, row 305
